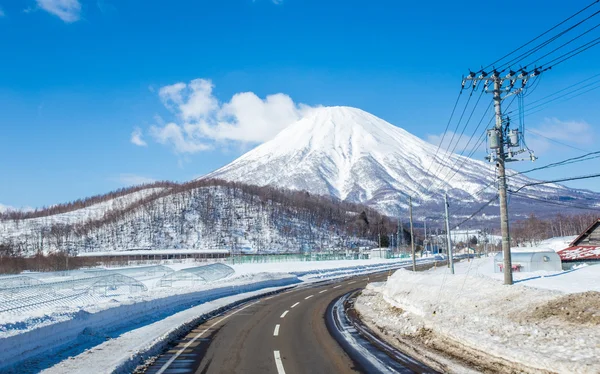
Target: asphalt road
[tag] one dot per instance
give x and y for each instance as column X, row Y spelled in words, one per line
column 282, row 333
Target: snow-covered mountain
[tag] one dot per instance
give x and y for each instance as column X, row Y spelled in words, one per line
column 358, row 157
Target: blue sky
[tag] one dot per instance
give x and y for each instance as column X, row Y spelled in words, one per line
column 88, row 87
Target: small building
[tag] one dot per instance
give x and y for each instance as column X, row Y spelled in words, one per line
column 585, row 248
column 380, row 253
column 532, row 259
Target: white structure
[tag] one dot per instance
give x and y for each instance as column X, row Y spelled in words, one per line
column 380, row 253
column 530, row 259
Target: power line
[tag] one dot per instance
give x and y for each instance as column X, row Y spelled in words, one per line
column 480, row 142
column 566, row 88
column 568, row 161
column 542, row 34
column 543, row 106
column 446, row 130
column 557, row 141
column 567, row 43
column 450, row 153
column 548, row 42
column 556, row 181
column 554, row 202
column 478, row 210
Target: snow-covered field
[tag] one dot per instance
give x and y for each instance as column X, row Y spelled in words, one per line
column 545, row 322
column 556, row 244
column 80, row 327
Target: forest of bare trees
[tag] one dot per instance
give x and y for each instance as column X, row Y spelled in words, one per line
column 200, row 214
column 533, row 229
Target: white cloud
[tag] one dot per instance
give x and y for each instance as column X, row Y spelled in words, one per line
column 67, row 10
column 136, row 137
column 459, row 143
column 202, row 120
column 575, row 133
column 181, row 141
column 133, row 179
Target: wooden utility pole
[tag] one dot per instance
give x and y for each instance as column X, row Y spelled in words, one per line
column 448, row 240
column 425, row 235
column 412, row 235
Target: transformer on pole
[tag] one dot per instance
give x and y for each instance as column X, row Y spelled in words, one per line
column 501, row 141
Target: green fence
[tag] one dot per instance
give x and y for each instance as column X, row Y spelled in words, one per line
column 295, row 257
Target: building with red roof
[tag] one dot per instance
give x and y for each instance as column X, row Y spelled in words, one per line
column 586, row 247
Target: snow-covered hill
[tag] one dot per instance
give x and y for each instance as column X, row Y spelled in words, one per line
column 358, row 157
column 207, row 214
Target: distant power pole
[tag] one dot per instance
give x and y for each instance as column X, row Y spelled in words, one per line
column 412, row 236
column 398, row 237
column 501, row 140
column 448, row 240
column 424, row 235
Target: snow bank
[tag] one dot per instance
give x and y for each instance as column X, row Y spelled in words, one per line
column 124, row 353
column 36, row 339
column 482, row 315
column 62, row 336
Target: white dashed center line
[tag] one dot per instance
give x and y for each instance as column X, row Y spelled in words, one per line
column 322, row 291
column 308, row 297
column 284, row 313
column 276, row 332
column 295, row 305
column 198, row 336
column 339, row 285
column 278, row 363
column 351, row 282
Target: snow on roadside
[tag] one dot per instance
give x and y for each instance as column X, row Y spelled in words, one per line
column 71, row 328
column 476, row 310
column 124, row 353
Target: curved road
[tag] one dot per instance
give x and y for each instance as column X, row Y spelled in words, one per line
column 282, row 333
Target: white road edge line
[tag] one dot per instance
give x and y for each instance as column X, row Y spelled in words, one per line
column 278, row 362
column 295, row 305
column 276, row 331
column 198, row 336
column 339, row 285
column 284, row 313
column 308, row 297
column 322, row 291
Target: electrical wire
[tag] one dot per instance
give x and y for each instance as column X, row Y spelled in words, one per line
column 446, row 130
column 565, row 44
column 557, row 141
column 450, row 153
column 541, row 35
column 554, row 202
column 589, row 176
column 478, row 210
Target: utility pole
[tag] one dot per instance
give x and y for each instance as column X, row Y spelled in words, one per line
column 501, row 137
column 412, row 236
column 450, row 260
column 425, row 239
column 501, row 165
column 398, row 237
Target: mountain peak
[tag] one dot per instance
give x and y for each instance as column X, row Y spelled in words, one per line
column 353, row 155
